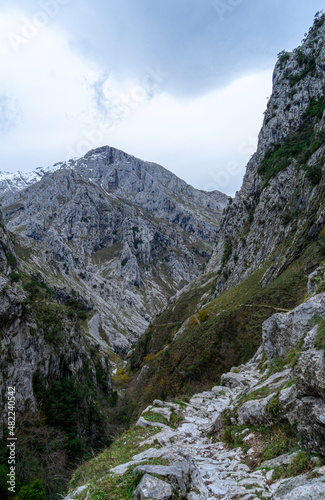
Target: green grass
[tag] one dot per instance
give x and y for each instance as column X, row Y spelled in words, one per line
column 281, row 439
column 121, row 451
column 152, row 416
column 300, row 464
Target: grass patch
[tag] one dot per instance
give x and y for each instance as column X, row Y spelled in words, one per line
column 152, row 416
column 281, row 439
column 300, row 464
column 320, row 339
column 121, row 451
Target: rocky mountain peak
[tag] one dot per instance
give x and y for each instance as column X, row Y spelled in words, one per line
column 125, row 233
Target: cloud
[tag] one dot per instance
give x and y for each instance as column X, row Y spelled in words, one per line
column 9, row 113
column 171, row 81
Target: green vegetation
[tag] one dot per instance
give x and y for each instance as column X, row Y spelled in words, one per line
column 35, row 491
column 300, row 464
column 299, row 146
column 121, row 451
column 11, row 259
column 283, row 57
column 320, row 339
column 227, row 252
column 71, row 406
column 229, row 335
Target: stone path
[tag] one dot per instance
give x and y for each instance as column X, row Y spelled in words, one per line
column 213, row 470
column 223, row 472
column 200, row 468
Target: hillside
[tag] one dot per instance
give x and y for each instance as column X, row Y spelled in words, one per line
column 270, row 239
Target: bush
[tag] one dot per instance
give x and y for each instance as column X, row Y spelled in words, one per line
column 82, row 315
column 11, row 260
column 203, row 315
column 14, row 277
column 283, row 57
column 321, row 243
column 193, row 321
column 227, row 252
column 314, row 174
column 320, row 339
column 34, row 491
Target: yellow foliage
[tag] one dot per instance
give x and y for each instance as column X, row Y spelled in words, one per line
column 150, row 357
column 193, row 321
column 203, row 315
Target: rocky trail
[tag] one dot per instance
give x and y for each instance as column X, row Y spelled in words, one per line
column 187, row 458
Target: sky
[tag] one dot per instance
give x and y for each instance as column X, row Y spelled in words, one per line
column 183, row 83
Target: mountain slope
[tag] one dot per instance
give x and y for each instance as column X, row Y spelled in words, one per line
column 122, row 233
column 60, row 377
column 270, row 240
column 280, row 207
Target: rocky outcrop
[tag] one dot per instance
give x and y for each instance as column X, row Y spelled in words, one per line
column 282, row 332
column 123, row 233
column 43, row 345
column 280, row 206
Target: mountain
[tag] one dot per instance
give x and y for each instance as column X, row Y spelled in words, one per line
column 269, row 241
column 15, row 181
column 90, row 251
column 122, row 233
column 127, row 295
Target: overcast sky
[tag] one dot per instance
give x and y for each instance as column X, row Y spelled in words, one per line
column 183, row 83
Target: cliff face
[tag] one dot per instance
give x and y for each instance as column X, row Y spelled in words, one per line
column 59, row 374
column 280, row 207
column 122, row 233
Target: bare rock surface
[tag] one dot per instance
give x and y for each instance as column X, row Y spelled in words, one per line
column 123, row 233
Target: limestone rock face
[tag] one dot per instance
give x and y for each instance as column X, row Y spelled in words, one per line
column 29, row 347
column 302, row 403
column 282, row 332
column 123, row 233
column 286, row 208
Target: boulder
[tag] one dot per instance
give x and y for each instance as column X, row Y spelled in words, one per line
column 232, row 379
column 153, row 488
column 304, row 487
column 283, row 331
column 255, row 412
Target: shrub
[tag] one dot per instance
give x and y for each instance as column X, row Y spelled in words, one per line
column 82, row 315
column 321, row 243
column 193, row 321
column 11, row 260
column 283, row 57
column 34, row 491
column 227, row 252
column 314, row 174
column 14, row 277
column 203, row 315
column 320, row 339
